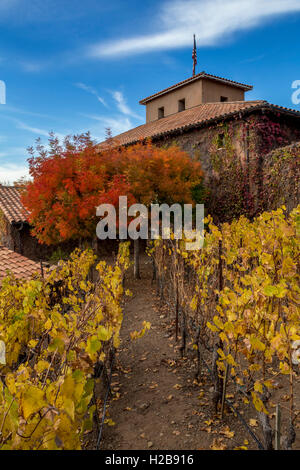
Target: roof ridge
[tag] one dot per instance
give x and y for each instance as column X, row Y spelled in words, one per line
column 202, row 74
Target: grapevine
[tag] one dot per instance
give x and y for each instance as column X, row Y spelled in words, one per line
column 55, row 332
column 238, row 299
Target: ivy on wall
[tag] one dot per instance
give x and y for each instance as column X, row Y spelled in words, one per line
column 282, row 177
column 246, row 178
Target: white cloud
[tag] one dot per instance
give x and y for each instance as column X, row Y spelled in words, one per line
column 122, row 105
column 253, row 59
column 211, row 20
column 13, row 152
column 117, row 125
column 7, row 5
column 31, row 67
column 92, row 91
column 33, row 130
column 11, row 172
column 13, row 109
column 36, row 130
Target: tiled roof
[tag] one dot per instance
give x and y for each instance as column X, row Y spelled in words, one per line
column 199, row 76
column 21, row 267
column 204, row 114
column 11, row 205
column 201, row 115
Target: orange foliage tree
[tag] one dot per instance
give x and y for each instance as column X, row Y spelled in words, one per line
column 70, row 180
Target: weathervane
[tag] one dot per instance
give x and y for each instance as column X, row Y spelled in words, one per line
column 194, row 56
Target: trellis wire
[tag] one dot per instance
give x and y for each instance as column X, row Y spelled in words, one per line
column 236, row 412
column 105, row 402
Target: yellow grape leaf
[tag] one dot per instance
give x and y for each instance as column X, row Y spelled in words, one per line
column 103, row 333
column 258, row 387
column 218, row 322
column 194, row 303
column 230, row 360
column 258, row 403
column 284, row 368
column 69, row 407
column 48, row 324
column 32, row 401
column 41, row 366
column 212, row 327
column 110, row 422
column 257, row 344
column 139, row 334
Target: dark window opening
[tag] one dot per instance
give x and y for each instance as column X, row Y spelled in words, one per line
column 181, row 105
column 221, row 141
column 224, row 98
column 161, row 113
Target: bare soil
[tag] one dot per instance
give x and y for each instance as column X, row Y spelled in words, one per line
column 155, row 402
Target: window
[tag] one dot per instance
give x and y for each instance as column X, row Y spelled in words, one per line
column 181, row 105
column 161, row 113
column 224, row 98
column 221, row 141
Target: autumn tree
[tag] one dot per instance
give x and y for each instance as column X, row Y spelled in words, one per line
column 67, row 180
column 161, row 175
column 70, row 180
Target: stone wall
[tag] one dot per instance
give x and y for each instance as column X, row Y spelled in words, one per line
column 6, row 233
column 17, row 237
column 235, row 173
column 281, row 177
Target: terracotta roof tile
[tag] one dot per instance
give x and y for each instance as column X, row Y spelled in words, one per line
column 199, row 76
column 21, row 267
column 203, row 114
column 11, row 205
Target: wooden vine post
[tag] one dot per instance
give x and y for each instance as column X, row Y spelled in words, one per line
column 219, row 385
column 277, row 427
column 177, row 290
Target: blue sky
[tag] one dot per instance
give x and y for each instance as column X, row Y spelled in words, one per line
column 70, row 65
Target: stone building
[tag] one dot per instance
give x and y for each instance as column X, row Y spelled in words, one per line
column 208, row 117
column 15, row 230
column 13, row 219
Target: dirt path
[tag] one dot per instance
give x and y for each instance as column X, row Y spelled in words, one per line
column 156, row 404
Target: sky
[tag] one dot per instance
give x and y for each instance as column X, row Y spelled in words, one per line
column 72, row 66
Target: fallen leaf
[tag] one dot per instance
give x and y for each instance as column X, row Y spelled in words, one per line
column 177, row 386
column 218, row 445
column 209, row 422
column 226, row 432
